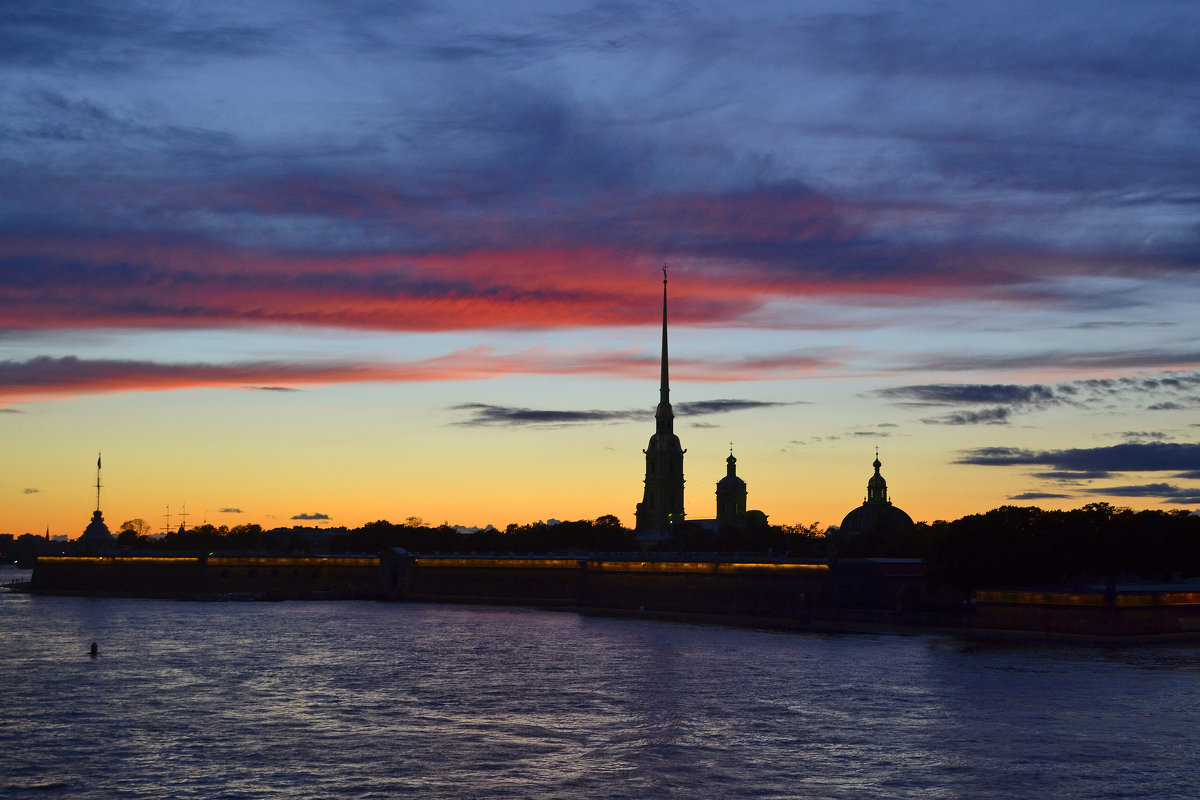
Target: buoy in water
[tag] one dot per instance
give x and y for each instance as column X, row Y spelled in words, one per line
column 95, row 650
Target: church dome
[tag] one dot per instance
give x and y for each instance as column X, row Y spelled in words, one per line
column 731, row 482
column 876, row 515
column 871, row 519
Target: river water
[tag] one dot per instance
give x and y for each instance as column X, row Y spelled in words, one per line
column 378, row 700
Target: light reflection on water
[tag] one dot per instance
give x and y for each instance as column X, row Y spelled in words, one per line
column 366, row 700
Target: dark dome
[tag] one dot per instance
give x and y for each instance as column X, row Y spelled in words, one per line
column 876, row 518
column 731, row 483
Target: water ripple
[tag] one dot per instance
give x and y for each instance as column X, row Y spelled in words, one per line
column 363, row 700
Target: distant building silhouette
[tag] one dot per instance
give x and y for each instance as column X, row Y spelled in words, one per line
column 97, row 533
column 876, row 516
column 731, row 497
column 662, row 500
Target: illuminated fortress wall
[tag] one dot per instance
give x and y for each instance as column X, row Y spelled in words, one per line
column 1090, row 614
column 850, row 594
column 870, row 591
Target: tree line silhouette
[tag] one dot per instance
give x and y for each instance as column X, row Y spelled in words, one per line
column 1004, row 547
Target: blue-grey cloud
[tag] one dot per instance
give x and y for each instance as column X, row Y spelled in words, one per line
column 493, row 113
column 310, row 517
column 46, row 375
column 31, row 491
column 1130, row 358
column 230, row 510
column 1127, row 457
column 483, row 414
column 1168, row 493
column 1020, row 398
column 1072, row 476
column 1141, row 436
column 83, row 36
column 704, row 407
column 1038, row 496
column 967, row 393
column 986, row 416
column 1171, row 405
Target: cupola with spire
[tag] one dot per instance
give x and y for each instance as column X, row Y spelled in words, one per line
column 876, row 516
column 731, row 496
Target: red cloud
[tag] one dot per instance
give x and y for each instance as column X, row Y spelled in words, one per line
column 44, row 377
column 739, row 253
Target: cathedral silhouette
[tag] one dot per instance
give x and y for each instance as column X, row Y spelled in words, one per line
column 662, row 506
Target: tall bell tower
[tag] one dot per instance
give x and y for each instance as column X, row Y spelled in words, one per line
column 662, row 501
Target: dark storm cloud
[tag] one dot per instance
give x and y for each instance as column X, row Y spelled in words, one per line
column 482, row 414
column 1128, row 457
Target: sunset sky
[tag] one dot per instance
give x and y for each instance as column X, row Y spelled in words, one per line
column 307, row 262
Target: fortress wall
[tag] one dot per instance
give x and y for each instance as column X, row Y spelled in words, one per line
column 1089, row 614
column 792, row 590
column 117, row 576
column 289, row 576
column 132, row 576
column 769, row 590
column 531, row 581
